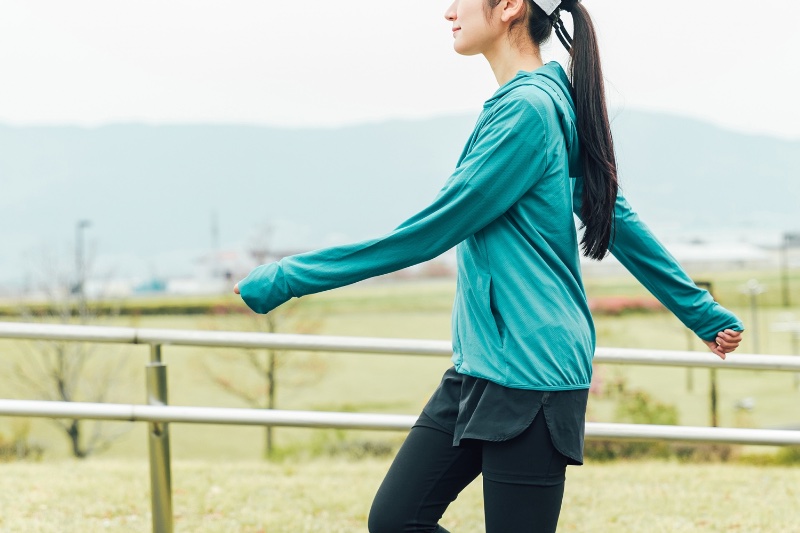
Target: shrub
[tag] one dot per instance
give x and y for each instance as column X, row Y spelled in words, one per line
column 634, row 407
column 705, row 452
column 638, row 407
column 786, row 456
column 18, row 447
column 359, row 449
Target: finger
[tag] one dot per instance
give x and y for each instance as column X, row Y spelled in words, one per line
column 236, row 289
column 736, row 336
column 727, row 345
column 728, row 348
column 715, row 349
column 728, row 337
column 731, row 335
column 720, row 351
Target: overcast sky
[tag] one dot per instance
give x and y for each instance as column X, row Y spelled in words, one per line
column 324, row 62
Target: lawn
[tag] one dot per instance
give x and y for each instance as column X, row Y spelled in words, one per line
column 220, row 484
column 334, row 496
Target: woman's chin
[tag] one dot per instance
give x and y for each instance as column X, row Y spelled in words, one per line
column 464, row 50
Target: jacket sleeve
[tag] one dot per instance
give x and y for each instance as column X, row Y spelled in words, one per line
column 634, row 245
column 506, row 159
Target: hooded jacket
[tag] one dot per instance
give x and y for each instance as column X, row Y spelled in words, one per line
column 520, row 315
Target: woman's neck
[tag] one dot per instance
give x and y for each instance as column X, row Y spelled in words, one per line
column 506, row 60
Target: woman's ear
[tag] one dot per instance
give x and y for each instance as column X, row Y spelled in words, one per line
column 512, row 10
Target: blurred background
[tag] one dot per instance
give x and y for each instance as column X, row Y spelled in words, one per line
column 152, row 153
column 176, row 140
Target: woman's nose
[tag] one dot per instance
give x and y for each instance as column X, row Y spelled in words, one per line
column 450, row 14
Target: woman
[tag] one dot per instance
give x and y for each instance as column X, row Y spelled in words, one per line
column 513, row 405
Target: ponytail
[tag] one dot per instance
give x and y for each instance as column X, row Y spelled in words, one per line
column 594, row 131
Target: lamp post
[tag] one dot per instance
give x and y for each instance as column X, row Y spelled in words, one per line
column 790, row 240
column 80, row 264
column 753, row 288
column 792, row 327
column 712, row 374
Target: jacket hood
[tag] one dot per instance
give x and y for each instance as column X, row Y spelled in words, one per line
column 553, row 82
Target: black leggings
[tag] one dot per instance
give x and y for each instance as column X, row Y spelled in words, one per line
column 523, row 482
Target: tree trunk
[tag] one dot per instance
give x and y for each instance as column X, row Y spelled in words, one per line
column 74, row 432
column 270, row 401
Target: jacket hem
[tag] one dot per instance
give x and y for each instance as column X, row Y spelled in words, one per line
column 531, row 386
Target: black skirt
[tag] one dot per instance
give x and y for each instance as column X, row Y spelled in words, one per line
column 475, row 408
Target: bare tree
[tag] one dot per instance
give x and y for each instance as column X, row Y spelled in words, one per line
column 69, row 371
column 261, row 367
column 265, row 365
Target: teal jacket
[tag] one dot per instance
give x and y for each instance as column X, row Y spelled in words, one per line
column 520, row 316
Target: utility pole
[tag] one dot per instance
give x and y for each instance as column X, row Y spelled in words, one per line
column 790, row 240
column 216, row 271
column 261, row 244
column 80, row 266
column 753, row 288
column 792, row 327
column 712, row 372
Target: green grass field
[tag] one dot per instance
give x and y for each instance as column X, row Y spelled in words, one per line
column 333, row 496
column 220, row 483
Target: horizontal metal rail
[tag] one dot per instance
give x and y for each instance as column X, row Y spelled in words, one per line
column 744, row 361
column 773, row 437
column 205, row 415
column 158, row 415
column 321, row 419
column 325, row 343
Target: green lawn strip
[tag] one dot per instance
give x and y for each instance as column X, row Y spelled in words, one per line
column 334, row 495
column 436, row 294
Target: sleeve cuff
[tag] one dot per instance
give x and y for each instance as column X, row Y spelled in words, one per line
column 714, row 320
column 265, row 288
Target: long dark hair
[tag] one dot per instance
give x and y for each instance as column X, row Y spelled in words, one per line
column 594, row 131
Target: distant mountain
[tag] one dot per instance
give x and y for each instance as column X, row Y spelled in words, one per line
column 690, row 177
column 151, row 191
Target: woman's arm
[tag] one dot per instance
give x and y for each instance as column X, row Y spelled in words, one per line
column 634, row 245
column 505, row 161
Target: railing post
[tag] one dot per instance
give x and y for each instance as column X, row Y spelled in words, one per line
column 160, row 474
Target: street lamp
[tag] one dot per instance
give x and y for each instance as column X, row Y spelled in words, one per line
column 712, row 372
column 753, row 288
column 790, row 240
column 792, row 327
column 80, row 263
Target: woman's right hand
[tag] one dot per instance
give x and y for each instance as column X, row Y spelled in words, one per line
column 726, row 342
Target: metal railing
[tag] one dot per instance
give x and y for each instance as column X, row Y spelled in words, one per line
column 158, row 414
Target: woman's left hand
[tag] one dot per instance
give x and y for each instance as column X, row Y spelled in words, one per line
column 726, row 342
column 236, row 289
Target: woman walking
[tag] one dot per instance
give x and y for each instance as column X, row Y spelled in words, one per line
column 513, row 405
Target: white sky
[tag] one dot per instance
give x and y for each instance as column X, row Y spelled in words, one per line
column 323, row 62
